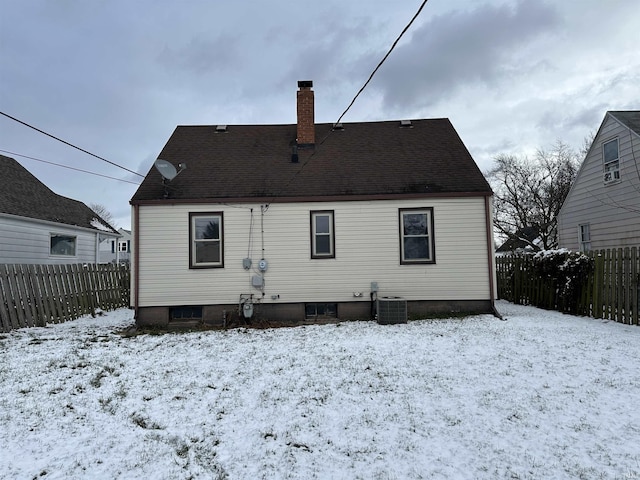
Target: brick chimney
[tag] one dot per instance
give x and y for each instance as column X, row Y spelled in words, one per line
column 306, row 123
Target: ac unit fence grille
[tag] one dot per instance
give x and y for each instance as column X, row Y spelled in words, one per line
column 392, row 310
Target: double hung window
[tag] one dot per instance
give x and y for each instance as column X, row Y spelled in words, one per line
column 206, row 240
column 322, row 234
column 611, row 161
column 585, row 237
column 416, row 236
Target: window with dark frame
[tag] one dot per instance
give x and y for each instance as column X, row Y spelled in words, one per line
column 206, row 241
column 611, row 161
column 322, row 234
column 63, row 245
column 185, row 313
column 416, row 236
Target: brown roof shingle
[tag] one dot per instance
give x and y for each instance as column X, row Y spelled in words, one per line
column 364, row 159
column 25, row 196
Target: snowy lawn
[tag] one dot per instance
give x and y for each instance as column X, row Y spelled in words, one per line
column 541, row 396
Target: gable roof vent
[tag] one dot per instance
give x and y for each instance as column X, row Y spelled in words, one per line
column 405, row 124
column 221, row 129
column 338, row 126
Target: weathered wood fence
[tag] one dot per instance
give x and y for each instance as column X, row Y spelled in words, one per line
column 610, row 290
column 34, row 295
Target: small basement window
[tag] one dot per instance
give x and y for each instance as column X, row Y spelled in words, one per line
column 314, row 311
column 185, row 313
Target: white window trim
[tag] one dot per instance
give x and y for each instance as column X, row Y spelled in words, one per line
column 585, row 245
column 614, row 165
column 430, row 235
column 64, row 255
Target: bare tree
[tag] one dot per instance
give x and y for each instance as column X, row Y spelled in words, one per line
column 529, row 193
column 105, row 214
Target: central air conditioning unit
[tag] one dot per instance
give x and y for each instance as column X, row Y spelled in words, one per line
column 391, row 310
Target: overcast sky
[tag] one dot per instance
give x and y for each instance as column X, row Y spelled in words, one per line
column 115, row 77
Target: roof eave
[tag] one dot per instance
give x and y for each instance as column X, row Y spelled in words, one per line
column 316, row 198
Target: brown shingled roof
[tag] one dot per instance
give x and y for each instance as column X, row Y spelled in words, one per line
column 364, row 159
column 25, row 196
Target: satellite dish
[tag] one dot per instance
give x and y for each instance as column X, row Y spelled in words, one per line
column 167, row 170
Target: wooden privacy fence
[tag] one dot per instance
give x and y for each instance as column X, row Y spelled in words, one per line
column 34, row 295
column 609, row 289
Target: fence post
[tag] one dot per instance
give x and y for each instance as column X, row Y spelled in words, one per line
column 635, row 285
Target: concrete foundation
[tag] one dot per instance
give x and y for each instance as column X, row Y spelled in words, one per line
column 294, row 313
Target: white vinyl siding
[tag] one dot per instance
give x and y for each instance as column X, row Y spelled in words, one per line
column 611, row 210
column 367, row 235
column 29, row 242
column 109, row 246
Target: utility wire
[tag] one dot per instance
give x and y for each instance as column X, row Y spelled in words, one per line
column 383, row 60
column 66, row 166
column 404, row 30
column 69, row 144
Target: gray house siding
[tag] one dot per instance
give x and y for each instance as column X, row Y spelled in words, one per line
column 27, row 241
column 610, row 211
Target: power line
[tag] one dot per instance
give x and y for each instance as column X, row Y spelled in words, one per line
column 404, row 30
column 66, row 166
column 69, row 144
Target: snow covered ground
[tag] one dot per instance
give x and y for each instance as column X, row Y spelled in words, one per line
column 539, row 396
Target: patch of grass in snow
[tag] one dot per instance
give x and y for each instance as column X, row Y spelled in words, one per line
column 143, row 422
column 56, row 389
column 108, row 404
column 96, row 381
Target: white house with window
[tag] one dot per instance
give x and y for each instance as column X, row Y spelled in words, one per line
column 602, row 209
column 116, row 250
column 308, row 221
column 38, row 226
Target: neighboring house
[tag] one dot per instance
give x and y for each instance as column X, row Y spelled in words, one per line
column 526, row 239
column 602, row 209
column 312, row 220
column 116, row 250
column 38, row 226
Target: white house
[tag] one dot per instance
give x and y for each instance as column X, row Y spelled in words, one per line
column 37, row 226
column 602, row 209
column 303, row 221
column 116, row 250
